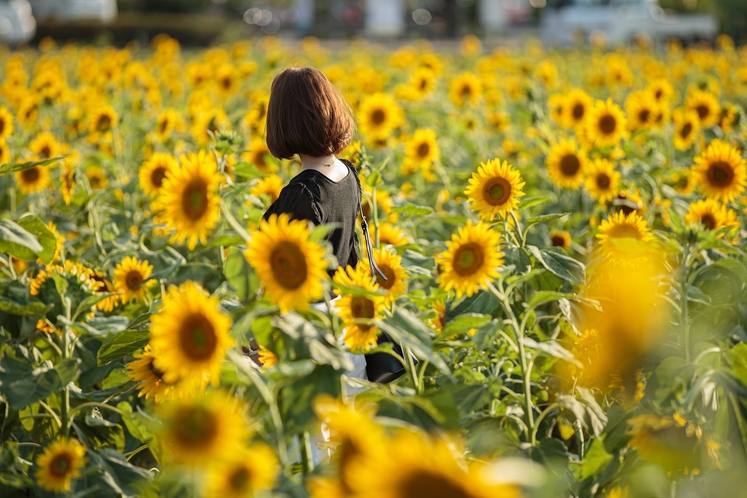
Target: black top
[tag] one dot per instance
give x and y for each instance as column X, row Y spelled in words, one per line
column 312, row 196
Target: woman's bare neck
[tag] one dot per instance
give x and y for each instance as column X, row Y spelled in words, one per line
column 329, row 166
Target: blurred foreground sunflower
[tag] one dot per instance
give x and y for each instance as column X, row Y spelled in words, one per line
column 390, row 263
column 357, row 311
column 246, row 473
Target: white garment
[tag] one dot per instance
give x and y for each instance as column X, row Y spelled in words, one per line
column 318, row 454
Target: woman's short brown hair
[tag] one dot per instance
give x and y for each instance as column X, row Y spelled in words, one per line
column 307, row 115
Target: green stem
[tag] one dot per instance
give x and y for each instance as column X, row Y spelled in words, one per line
column 525, row 370
column 306, row 460
column 683, row 305
column 135, row 452
column 94, row 404
column 241, row 231
column 65, row 404
column 413, row 371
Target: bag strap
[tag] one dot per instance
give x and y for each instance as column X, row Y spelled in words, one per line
column 375, row 270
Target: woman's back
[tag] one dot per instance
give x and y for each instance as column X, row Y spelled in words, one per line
column 312, row 196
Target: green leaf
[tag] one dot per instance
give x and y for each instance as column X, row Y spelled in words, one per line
column 120, row 345
column 13, row 167
column 542, row 297
column 552, row 348
column 544, row 218
column 595, row 459
column 31, row 309
column 374, row 179
column 463, row 323
column 89, row 302
column 36, row 227
column 530, row 202
column 18, row 242
column 238, row 273
column 246, row 170
column 561, row 265
column 413, row 210
column 23, row 385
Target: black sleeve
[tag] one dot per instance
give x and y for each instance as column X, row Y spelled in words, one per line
column 295, row 199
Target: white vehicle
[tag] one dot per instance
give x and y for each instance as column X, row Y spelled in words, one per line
column 17, row 25
column 620, row 21
column 75, row 10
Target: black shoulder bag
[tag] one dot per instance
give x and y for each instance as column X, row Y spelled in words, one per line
column 380, row 367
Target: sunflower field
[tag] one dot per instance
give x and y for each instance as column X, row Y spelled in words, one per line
column 561, row 233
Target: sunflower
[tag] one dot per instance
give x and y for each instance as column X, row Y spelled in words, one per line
column 566, row 164
column 465, row 89
column 270, row 185
column 28, row 111
column 97, row 178
column 267, row 358
column 4, row 152
column 154, row 171
column 59, row 464
column 355, row 309
column 379, row 115
column 44, row 145
column 153, row 385
column 641, row 109
column 661, row 90
column 560, row 239
column 494, row 189
column 210, row 428
column 708, row 213
column 620, row 226
column 6, row 123
column 67, row 179
column 437, row 323
column 388, row 234
column 500, row 121
column 471, row 259
column 166, row 123
column 605, row 124
column 246, row 473
column 32, row 180
column 292, row 267
column 226, row 80
column 258, row 156
column 670, row 442
column 390, row 264
column 102, row 119
column 706, row 105
column 190, row 335
column 728, row 118
column 424, row 467
column 423, row 81
column 422, row 147
column 686, row 128
column 100, row 285
column 602, row 180
column 720, row 172
column 131, row 279
column 575, row 108
column 189, row 199
column 353, row 432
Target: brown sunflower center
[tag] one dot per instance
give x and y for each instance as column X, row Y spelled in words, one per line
column 378, row 116
column 46, row 151
column 558, row 241
column 31, row 175
column 61, row 464
column 195, row 427
column 423, row 150
column 496, row 191
column 422, row 86
column 658, row 94
column 195, row 199
column 94, row 180
column 157, row 176
column 157, row 373
column 2, row 125
column 197, row 337
column 708, row 221
column 163, row 125
column 105, row 122
column 288, row 265
column 569, row 165
column 391, row 278
column 578, row 111
column 607, row 124
column 422, row 483
column 240, row 479
column 686, row 130
column 625, row 231
column 703, row 111
column 603, row 181
column 468, row 259
column 644, row 115
column 133, row 279
column 226, row 82
column 362, row 307
column 720, row 174
column 466, row 91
